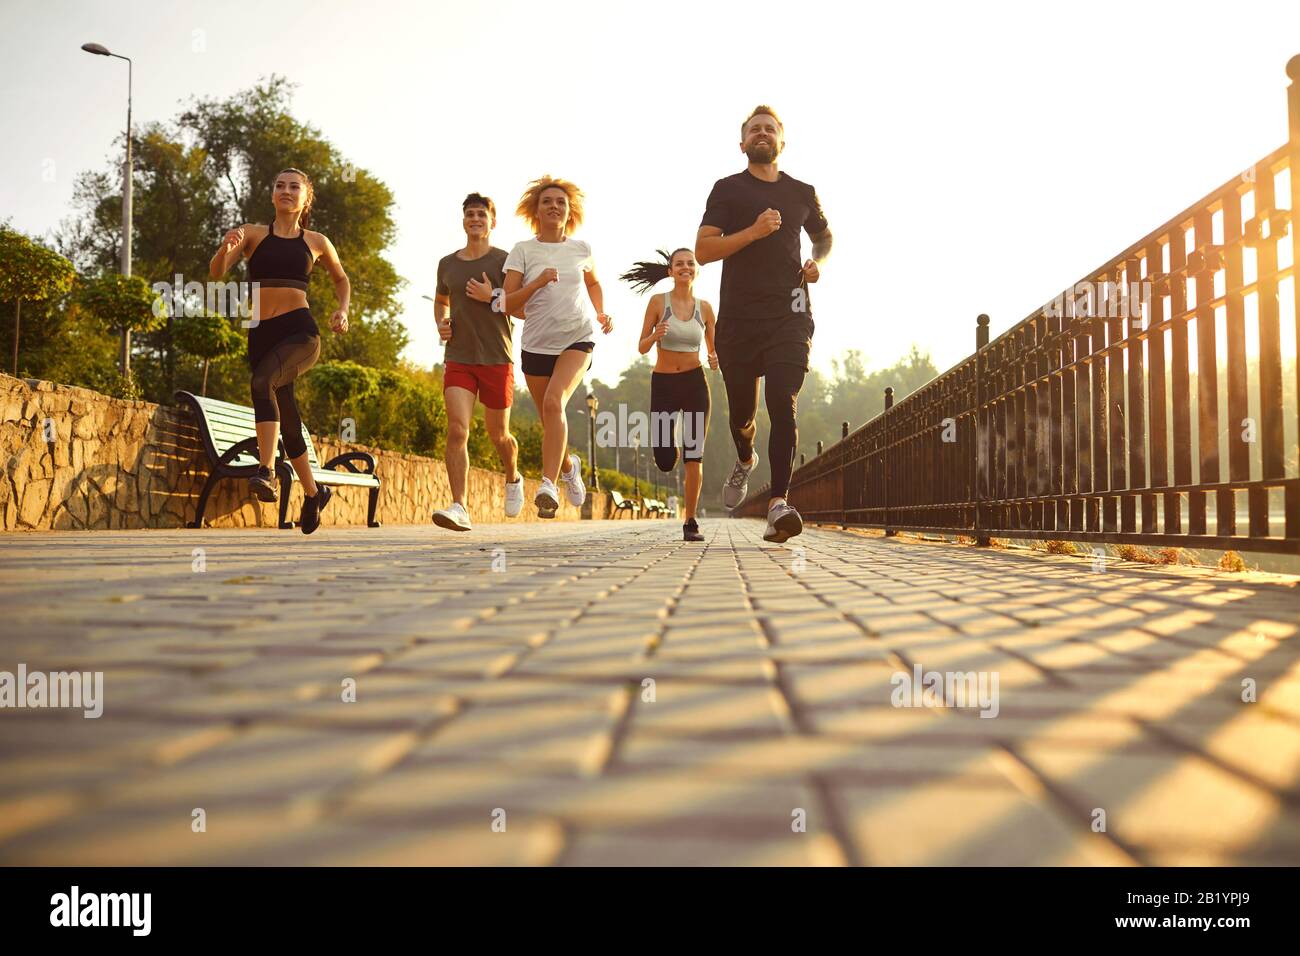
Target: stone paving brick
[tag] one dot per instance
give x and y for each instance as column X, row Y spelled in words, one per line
column 1172, row 800
column 523, row 689
column 953, row 823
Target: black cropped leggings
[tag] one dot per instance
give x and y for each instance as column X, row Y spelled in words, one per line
column 781, row 395
column 672, row 392
column 273, row 379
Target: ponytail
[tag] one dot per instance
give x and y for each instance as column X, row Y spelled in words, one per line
column 644, row 276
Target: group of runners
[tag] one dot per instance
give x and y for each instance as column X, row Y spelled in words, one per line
column 762, row 331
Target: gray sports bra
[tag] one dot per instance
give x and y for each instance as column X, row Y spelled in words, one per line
column 683, row 335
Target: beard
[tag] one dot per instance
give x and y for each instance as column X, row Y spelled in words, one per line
column 763, row 153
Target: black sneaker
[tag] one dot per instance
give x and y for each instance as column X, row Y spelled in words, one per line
column 262, row 485
column 312, row 507
column 691, row 531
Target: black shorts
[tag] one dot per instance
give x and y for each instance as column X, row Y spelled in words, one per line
column 538, row 363
column 752, row 359
column 756, row 344
column 686, row 392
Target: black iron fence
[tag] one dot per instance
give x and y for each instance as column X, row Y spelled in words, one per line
column 1145, row 404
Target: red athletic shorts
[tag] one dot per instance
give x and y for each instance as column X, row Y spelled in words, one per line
column 493, row 384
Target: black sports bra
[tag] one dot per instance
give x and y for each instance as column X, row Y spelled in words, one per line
column 281, row 263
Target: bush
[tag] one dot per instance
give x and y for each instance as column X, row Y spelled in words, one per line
column 1232, row 561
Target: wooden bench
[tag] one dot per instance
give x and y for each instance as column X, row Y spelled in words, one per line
column 654, row 507
column 622, row 504
column 229, row 434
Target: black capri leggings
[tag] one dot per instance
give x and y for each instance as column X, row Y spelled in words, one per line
column 685, row 392
column 273, row 378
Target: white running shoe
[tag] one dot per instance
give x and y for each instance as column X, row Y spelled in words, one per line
column 514, row 497
column 736, row 487
column 783, row 523
column 455, row 518
column 547, row 499
column 573, row 486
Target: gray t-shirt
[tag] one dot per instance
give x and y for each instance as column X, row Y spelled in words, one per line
column 479, row 336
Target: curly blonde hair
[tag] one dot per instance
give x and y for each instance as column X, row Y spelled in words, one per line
column 532, row 197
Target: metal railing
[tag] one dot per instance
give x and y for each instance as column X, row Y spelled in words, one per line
column 1143, row 405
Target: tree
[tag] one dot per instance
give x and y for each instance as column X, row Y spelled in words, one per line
column 340, row 385
column 206, row 335
column 122, row 304
column 30, row 271
column 251, row 136
column 210, row 168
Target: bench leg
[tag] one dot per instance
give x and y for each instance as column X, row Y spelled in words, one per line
column 213, row 478
column 370, row 508
column 286, row 483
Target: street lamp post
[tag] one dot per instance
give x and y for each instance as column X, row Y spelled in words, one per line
column 592, row 404
column 636, row 468
column 100, row 50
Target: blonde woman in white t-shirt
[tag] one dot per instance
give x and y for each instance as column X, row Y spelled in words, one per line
column 550, row 283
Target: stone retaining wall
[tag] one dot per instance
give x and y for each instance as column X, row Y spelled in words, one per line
column 76, row 459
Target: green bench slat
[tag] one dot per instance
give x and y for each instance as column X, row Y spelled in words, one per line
column 328, row 477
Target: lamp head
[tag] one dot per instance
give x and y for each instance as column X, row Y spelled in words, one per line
column 96, row 48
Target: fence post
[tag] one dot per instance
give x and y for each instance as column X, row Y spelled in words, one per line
column 1292, row 494
column 982, row 456
column 844, row 514
column 889, row 403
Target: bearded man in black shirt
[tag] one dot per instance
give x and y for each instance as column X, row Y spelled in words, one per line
column 765, row 326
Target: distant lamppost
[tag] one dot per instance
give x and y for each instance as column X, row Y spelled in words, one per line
column 100, row 50
column 593, row 403
column 636, row 468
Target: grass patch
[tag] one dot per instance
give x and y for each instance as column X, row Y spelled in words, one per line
column 1055, row 546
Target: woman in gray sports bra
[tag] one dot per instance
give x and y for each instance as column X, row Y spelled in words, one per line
column 678, row 323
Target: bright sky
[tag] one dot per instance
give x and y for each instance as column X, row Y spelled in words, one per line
column 969, row 157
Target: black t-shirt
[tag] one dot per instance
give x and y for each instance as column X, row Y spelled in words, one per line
column 759, row 281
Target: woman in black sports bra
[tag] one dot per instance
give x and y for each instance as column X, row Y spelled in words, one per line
column 283, row 339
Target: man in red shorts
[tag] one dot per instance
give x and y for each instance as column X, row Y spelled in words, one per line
column 478, row 362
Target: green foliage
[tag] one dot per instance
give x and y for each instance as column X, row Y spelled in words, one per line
column 29, row 271
column 341, row 385
column 211, row 168
column 529, row 435
column 120, row 302
column 206, row 335
column 611, row 480
column 250, row 137
column 403, row 413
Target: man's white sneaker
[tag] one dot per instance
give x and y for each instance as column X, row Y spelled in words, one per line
column 514, row 497
column 455, row 518
column 547, row 499
column 783, row 523
column 736, row 487
column 573, row 486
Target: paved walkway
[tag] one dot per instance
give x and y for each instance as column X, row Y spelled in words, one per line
column 502, row 713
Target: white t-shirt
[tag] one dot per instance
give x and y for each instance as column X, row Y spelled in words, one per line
column 559, row 314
